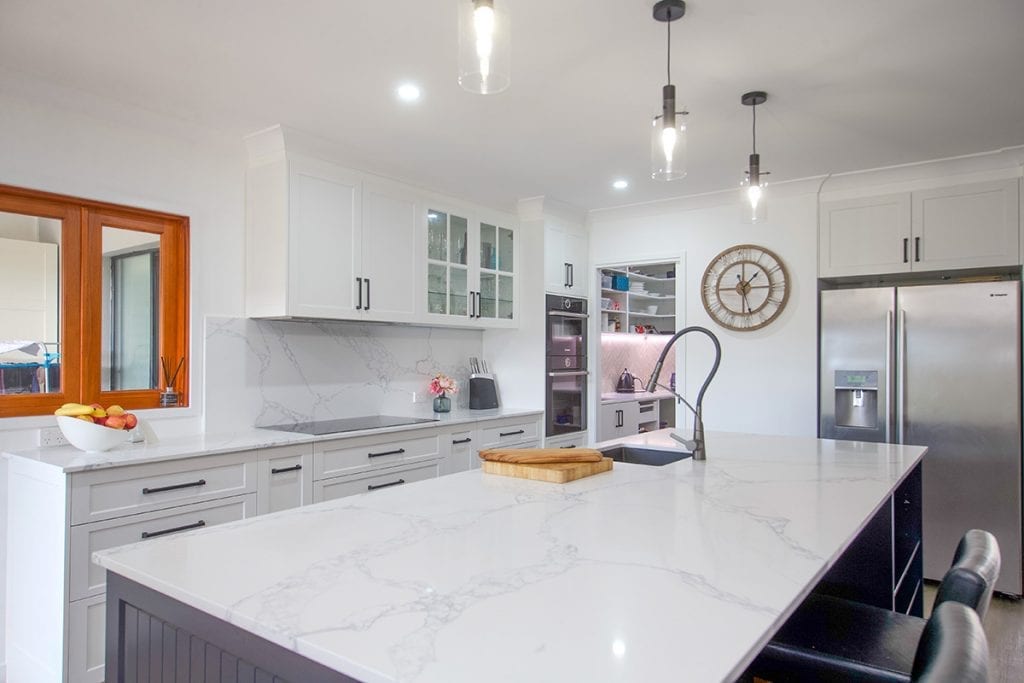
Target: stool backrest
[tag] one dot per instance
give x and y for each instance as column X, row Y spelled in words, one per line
column 952, row 648
column 973, row 574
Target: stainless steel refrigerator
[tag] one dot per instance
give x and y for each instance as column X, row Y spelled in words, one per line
column 938, row 366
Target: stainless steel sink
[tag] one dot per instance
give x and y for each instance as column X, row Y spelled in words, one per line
column 644, row 456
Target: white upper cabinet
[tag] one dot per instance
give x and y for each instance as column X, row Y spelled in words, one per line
column 470, row 278
column 328, row 242
column 964, row 226
column 565, row 261
column 865, row 236
column 388, row 265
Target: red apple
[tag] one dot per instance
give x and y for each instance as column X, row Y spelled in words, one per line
column 115, row 421
column 130, row 421
column 100, row 420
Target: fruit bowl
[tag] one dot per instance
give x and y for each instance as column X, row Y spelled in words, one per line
column 90, row 437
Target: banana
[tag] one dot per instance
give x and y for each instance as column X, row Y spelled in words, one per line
column 73, row 410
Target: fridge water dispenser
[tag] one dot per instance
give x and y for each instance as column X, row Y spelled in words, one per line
column 857, row 398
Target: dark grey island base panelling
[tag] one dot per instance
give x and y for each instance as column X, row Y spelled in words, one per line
column 185, row 645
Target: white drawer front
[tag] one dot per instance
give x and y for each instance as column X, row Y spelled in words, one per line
column 336, row 458
column 86, row 638
column 90, row 579
column 330, row 489
column 492, row 437
column 119, row 491
column 285, row 478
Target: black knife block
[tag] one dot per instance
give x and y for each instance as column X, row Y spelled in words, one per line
column 483, row 391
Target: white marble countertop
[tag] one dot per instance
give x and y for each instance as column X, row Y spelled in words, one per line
column 70, row 459
column 643, row 573
column 617, row 397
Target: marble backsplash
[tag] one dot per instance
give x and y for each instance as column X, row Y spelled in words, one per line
column 636, row 352
column 264, row 372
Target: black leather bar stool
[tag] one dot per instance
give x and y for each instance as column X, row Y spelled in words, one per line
column 953, row 648
column 831, row 638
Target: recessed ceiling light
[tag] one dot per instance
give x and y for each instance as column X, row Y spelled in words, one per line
column 408, row 92
column 620, row 184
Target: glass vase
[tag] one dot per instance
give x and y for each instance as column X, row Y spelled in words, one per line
column 442, row 404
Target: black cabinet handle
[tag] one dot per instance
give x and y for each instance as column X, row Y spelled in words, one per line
column 568, row 282
column 520, row 431
column 620, row 418
column 572, row 445
column 917, row 249
column 359, row 286
column 173, row 530
column 458, row 441
column 377, row 455
column 906, row 241
column 280, row 470
column 572, row 275
column 473, row 304
column 374, row 487
column 367, row 293
column 174, row 487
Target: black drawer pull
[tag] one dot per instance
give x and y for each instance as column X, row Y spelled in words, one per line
column 906, row 240
column 572, row 445
column 374, row 487
column 174, row 487
column 377, row 455
column 458, row 441
column 279, row 470
column 173, row 530
column 917, row 249
column 520, row 431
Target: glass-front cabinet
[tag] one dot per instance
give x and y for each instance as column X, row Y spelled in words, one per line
column 470, row 276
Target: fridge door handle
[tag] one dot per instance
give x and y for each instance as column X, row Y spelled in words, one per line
column 901, row 375
column 888, row 376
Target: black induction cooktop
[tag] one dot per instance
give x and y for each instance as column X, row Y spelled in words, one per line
column 348, row 424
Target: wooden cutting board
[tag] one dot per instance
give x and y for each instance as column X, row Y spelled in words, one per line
column 557, row 473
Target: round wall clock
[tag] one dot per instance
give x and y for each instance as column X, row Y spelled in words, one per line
column 745, row 287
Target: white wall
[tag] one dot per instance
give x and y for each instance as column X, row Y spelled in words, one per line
column 767, row 380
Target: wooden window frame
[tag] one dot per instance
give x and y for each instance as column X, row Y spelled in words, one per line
column 81, row 305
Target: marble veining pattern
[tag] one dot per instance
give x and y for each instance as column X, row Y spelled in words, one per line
column 643, row 573
column 268, row 372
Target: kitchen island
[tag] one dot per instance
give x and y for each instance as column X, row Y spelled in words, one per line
column 679, row 572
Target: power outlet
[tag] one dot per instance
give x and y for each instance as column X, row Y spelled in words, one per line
column 51, row 436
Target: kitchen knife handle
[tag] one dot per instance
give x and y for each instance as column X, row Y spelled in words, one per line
column 397, row 451
column 374, row 487
column 906, row 243
column 359, row 286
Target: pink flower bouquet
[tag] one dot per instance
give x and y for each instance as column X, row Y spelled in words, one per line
column 441, row 385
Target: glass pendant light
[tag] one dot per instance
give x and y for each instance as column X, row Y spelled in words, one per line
column 668, row 127
column 484, row 51
column 753, row 201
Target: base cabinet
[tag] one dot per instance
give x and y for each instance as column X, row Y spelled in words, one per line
column 339, row 487
column 285, row 478
column 619, row 420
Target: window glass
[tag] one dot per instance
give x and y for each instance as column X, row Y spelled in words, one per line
column 30, row 361
column 131, row 310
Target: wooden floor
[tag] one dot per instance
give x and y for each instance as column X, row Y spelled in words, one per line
column 1004, row 627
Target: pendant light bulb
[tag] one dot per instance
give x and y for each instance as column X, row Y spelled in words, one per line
column 483, row 46
column 754, row 205
column 668, row 127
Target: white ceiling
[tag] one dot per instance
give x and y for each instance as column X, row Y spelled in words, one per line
column 852, row 85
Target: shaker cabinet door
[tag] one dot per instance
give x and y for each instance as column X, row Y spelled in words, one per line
column 389, row 262
column 866, row 236
column 324, row 240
